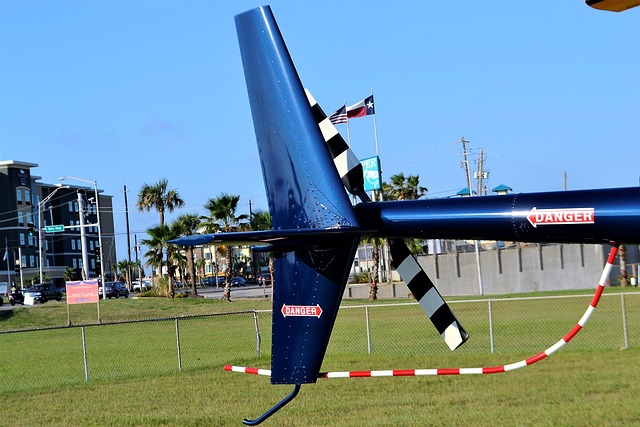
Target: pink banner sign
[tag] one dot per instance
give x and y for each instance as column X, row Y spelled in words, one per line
column 82, row 292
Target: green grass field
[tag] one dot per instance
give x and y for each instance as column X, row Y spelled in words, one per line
column 135, row 381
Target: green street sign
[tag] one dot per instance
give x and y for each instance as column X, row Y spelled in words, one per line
column 53, row 228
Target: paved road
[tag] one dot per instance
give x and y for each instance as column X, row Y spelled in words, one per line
column 249, row 291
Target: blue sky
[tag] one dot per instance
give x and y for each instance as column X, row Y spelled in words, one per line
column 128, row 92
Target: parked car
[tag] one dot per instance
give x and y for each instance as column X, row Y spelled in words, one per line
column 238, row 281
column 138, row 286
column 43, row 292
column 114, row 290
column 264, row 279
column 211, row 281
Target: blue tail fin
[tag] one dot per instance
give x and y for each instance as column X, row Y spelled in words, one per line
column 304, row 191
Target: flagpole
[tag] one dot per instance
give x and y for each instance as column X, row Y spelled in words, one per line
column 348, row 127
column 375, row 131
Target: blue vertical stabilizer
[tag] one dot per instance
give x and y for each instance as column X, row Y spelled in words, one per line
column 304, row 191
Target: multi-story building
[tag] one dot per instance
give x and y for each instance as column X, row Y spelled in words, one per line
column 28, row 206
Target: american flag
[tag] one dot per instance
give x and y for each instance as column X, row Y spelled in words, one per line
column 340, row 116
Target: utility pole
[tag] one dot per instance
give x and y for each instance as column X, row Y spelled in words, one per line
column 481, row 174
column 477, row 248
column 83, row 235
column 135, row 240
column 126, row 210
column 466, row 164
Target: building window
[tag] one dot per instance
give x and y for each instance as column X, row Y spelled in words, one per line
column 70, row 206
column 29, row 217
column 73, row 244
column 75, row 263
column 27, row 195
column 20, row 218
column 19, row 195
column 22, row 241
column 93, row 264
column 32, row 261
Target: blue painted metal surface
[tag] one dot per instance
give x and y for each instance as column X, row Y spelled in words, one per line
column 616, row 217
column 304, row 191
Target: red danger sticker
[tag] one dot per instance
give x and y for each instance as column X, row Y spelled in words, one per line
column 301, row 310
column 561, row 216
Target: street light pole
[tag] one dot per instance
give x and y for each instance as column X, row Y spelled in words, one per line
column 40, row 225
column 95, row 189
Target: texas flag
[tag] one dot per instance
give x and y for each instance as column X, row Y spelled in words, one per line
column 361, row 109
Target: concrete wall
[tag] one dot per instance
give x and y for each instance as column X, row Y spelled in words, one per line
column 529, row 268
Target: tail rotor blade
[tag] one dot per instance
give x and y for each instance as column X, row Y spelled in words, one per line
column 418, row 282
column 427, row 295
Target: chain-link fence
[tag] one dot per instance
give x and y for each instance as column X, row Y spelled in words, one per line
column 55, row 356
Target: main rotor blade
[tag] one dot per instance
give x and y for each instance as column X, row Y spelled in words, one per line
column 427, row 295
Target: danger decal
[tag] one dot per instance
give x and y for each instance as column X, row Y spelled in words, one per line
column 539, row 217
column 301, row 310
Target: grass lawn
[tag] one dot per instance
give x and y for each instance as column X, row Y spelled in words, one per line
column 571, row 389
column 581, row 387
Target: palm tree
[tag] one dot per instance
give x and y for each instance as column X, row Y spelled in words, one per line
column 398, row 188
column 190, row 224
column 200, row 263
column 158, row 244
column 622, row 259
column 125, row 266
column 222, row 218
column 403, row 188
column 374, row 276
column 261, row 220
column 69, row 274
column 158, row 197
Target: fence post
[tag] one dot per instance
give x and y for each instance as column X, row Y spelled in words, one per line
column 84, row 356
column 258, row 337
column 491, row 327
column 178, row 344
column 624, row 322
column 366, row 314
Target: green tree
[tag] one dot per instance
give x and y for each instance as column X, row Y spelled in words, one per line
column 189, row 225
column 158, row 245
column 69, row 274
column 400, row 187
column 159, row 197
column 223, row 218
column 124, row 267
column 261, row 220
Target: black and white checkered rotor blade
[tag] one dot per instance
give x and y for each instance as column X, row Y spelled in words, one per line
column 427, row 295
column 410, row 271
